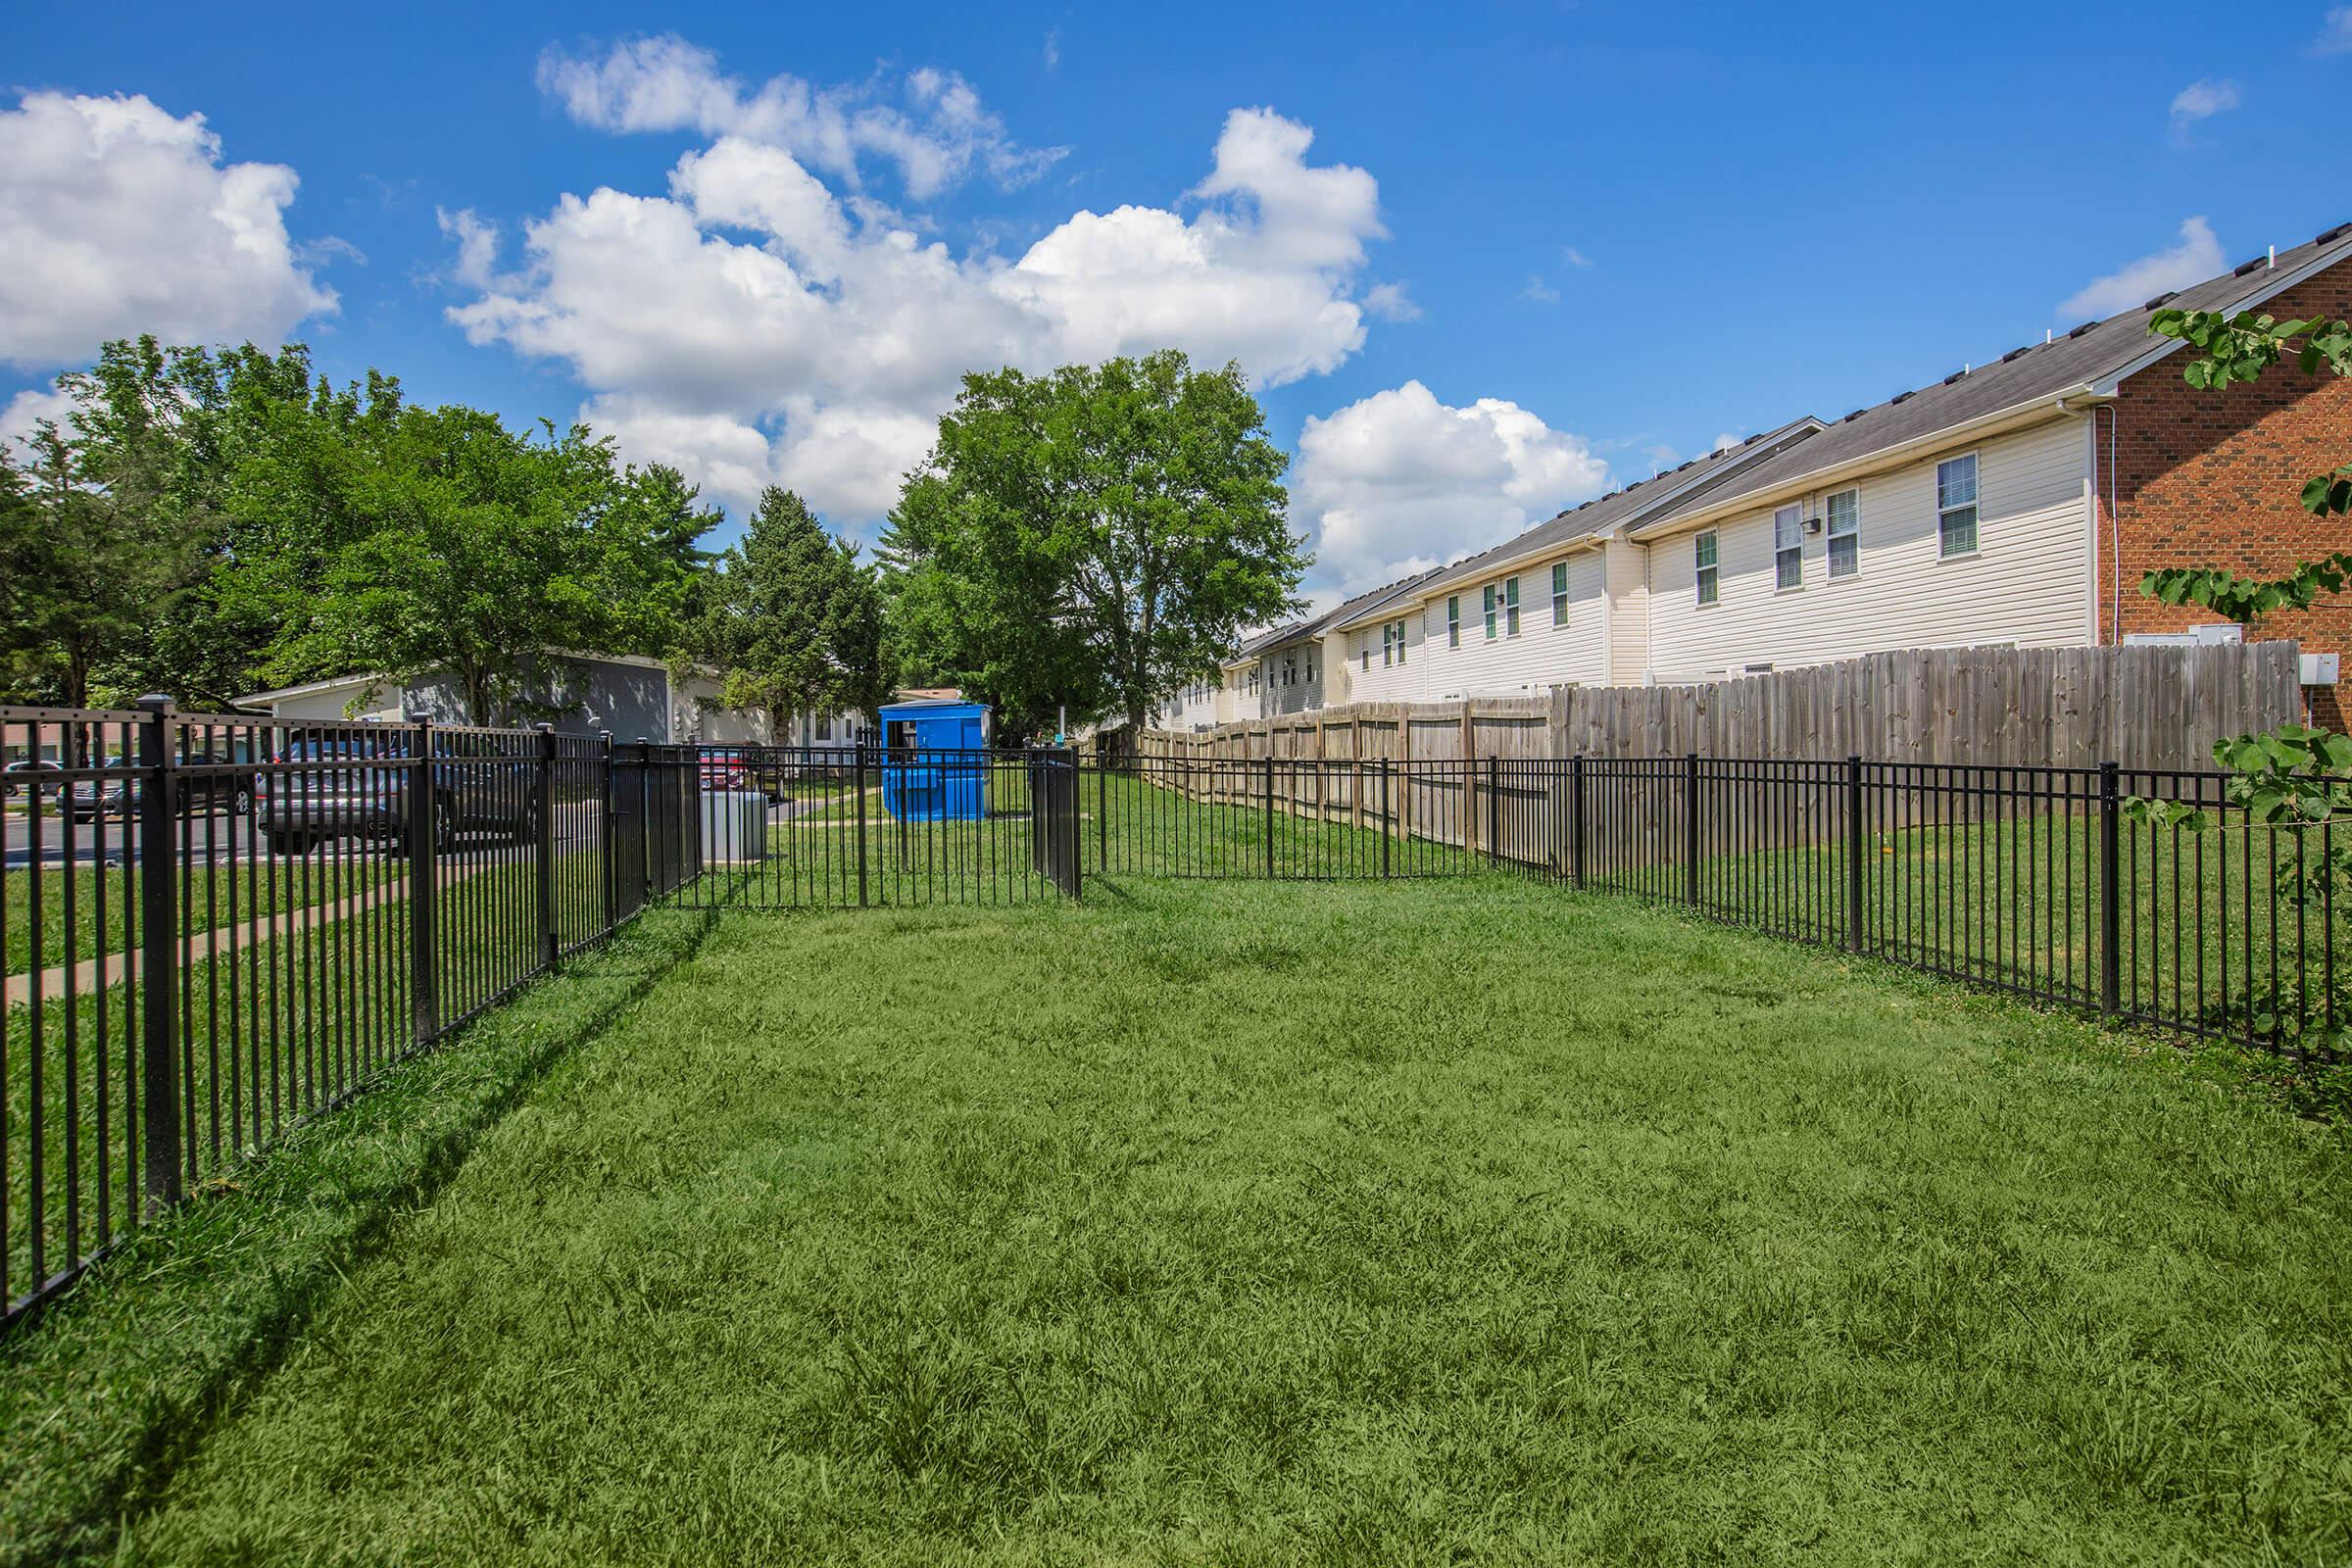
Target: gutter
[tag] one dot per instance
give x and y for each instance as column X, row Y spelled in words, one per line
column 2017, row 416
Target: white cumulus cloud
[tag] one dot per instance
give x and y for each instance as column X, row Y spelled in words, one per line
column 1401, row 482
column 117, row 218
column 2196, row 259
column 2200, row 99
column 763, row 319
column 930, row 123
column 2336, row 33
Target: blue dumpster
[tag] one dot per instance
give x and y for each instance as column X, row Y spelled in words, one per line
column 934, row 761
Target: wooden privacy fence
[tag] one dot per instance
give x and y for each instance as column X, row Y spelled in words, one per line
column 2149, row 708
column 2145, row 707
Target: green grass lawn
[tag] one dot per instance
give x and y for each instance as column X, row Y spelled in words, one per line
column 1469, row 1221
column 97, row 900
column 266, row 1034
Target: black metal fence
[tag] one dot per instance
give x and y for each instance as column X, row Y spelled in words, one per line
column 2030, row 880
column 215, row 926
column 851, row 827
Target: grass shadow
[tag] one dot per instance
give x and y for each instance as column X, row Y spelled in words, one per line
column 125, row 1375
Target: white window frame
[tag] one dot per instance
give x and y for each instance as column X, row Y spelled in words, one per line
column 1974, row 505
column 1453, row 621
column 1559, row 593
column 1788, row 522
column 1831, row 535
column 1510, row 606
column 1706, row 568
column 1485, row 603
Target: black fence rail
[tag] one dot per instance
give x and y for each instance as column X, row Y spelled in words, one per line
column 847, row 827
column 214, row 926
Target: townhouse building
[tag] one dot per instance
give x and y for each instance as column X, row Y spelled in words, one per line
column 2015, row 503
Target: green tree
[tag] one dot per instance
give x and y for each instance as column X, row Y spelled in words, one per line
column 2298, row 777
column 79, row 575
column 1098, row 537
column 418, row 542
column 793, row 619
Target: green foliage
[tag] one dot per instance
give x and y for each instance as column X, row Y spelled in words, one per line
column 793, row 619
column 2297, row 778
column 1097, row 537
column 412, row 541
column 2241, row 348
column 204, row 521
column 2246, row 600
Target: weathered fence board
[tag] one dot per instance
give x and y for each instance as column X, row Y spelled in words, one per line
column 2144, row 707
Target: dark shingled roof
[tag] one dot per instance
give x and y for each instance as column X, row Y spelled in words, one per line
column 1698, row 475
column 1371, row 599
column 2089, row 354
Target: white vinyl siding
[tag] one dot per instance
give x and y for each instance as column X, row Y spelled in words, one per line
column 1845, row 534
column 1628, row 575
column 2025, row 585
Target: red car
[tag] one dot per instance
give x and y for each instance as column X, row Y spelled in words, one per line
column 723, row 773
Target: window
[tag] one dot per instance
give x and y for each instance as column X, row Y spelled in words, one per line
column 1367, row 650
column 1956, row 505
column 1703, row 552
column 1290, row 669
column 1311, row 670
column 1453, row 621
column 1392, row 643
column 1486, row 596
column 1845, row 534
column 1400, row 626
column 1559, row 593
column 1789, row 547
column 824, row 727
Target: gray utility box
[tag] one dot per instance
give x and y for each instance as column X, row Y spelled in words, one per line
column 734, row 826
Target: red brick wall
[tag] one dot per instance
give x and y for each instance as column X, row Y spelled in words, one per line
column 2213, row 479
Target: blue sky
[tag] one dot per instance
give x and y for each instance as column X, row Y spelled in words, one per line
column 1530, row 251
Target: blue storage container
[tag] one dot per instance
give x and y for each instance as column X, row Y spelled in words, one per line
column 934, row 761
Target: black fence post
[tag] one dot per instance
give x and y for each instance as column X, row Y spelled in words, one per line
column 2111, row 907
column 1576, row 818
column 424, row 875
column 612, row 810
column 1101, row 811
column 1385, row 831
column 1076, row 844
column 857, row 811
column 159, row 951
column 1690, row 828
column 1857, row 845
column 645, row 821
column 1269, row 808
column 547, row 847
column 1494, row 811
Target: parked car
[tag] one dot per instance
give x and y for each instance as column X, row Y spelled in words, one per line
column 725, row 771
column 360, row 787
column 203, row 789
column 18, row 777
